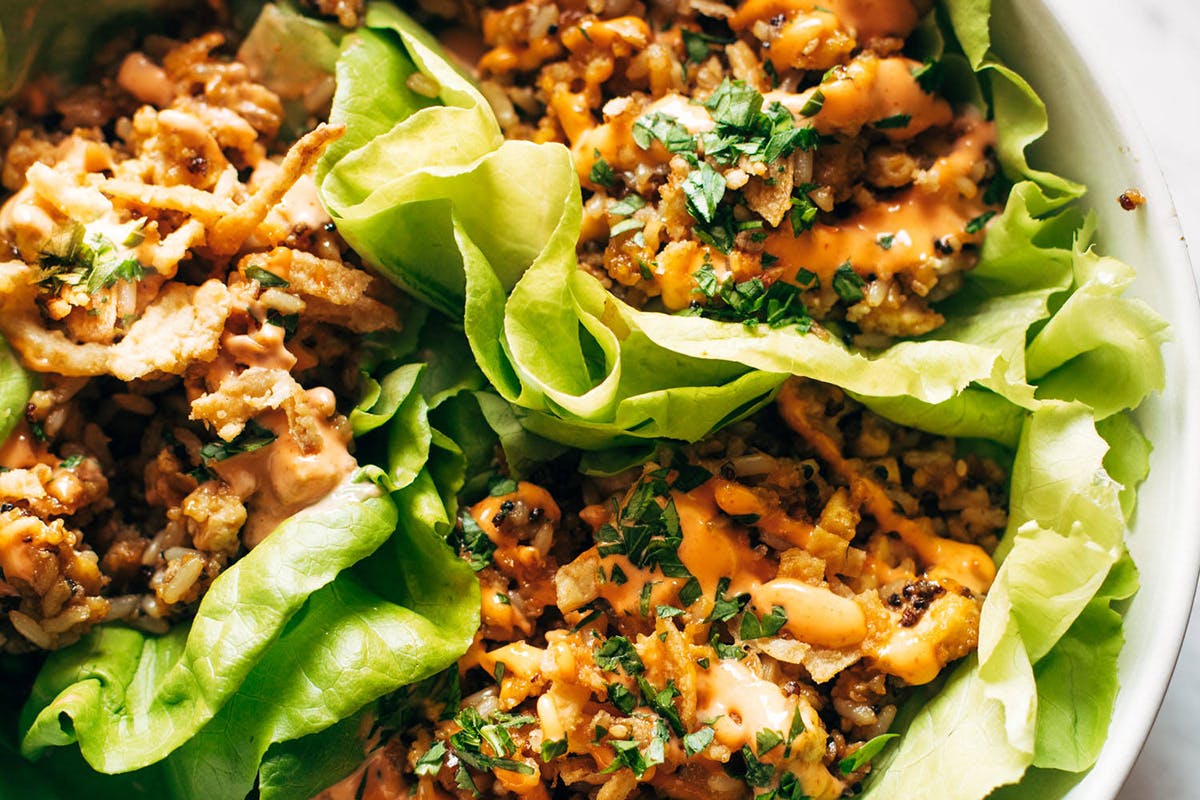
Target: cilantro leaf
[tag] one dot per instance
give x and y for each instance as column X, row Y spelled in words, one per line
column 929, row 76
column 266, row 278
column 601, row 173
column 697, row 741
column 770, row 624
column 893, row 122
column 617, row 651
column 252, row 437
column 860, row 757
column 848, row 284
column 977, row 224
column 470, row 540
column 663, row 702
column 703, row 189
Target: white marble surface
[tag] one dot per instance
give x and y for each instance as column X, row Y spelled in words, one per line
column 1160, row 61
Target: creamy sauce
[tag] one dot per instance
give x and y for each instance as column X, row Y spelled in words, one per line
column 741, row 703
column 915, row 219
column 967, row 564
column 865, row 19
column 281, row 479
column 814, row 615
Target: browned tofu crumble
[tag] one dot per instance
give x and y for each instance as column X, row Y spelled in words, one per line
column 192, row 318
column 872, row 209
column 736, row 617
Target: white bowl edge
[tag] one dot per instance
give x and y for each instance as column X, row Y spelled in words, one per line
column 1094, row 136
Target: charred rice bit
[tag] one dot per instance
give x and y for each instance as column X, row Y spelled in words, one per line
column 738, row 616
column 193, row 316
column 761, row 143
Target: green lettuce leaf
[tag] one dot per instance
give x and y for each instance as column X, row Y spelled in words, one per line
column 151, row 694
column 15, row 387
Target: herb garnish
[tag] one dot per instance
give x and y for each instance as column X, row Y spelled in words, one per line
column 893, row 122
column 770, row 624
column 848, row 284
column 856, row 760
column 468, row 743
column 601, row 173
column 663, row 702
column 725, row 608
column 646, row 531
column 697, row 741
column 266, row 278
column 253, row 437
column 977, row 224
column 929, row 76
column 617, row 651
column 469, row 539
column 750, row 302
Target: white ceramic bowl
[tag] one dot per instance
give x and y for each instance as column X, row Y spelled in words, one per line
column 1094, row 137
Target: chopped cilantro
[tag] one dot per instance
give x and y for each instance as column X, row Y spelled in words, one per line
column 724, row 608
column 885, row 240
column 977, row 224
column 663, row 703
column 288, row 322
column 553, row 749
column 675, row 137
column 625, row 700
column 431, row 762
column 789, row 788
column 758, row 773
column 503, row 599
column 602, row 174
column 798, row 727
column 807, row 279
column 71, row 462
column 848, row 284
column 644, row 598
column 667, row 612
column 266, row 278
column 470, row 540
column 929, row 76
column 625, row 226
column 770, row 624
column 893, row 122
column 860, row 757
column 697, row 741
column 252, row 437
column 690, row 592
column 813, row 105
column 703, row 189
column 767, row 740
column 698, row 44
column 646, row 531
column 618, row 575
column 804, row 211
column 494, row 730
column 617, row 651
column 726, row 652
column 627, row 205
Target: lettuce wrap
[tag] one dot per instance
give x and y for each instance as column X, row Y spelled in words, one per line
column 314, row 625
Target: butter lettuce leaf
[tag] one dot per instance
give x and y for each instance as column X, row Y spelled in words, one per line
column 153, row 693
column 15, row 387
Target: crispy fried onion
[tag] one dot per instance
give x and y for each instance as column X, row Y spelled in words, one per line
column 333, row 292
column 183, row 325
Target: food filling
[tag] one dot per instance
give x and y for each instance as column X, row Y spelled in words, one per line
column 737, row 618
column 192, row 319
column 777, row 161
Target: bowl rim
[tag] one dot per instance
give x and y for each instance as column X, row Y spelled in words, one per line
column 1133, row 719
